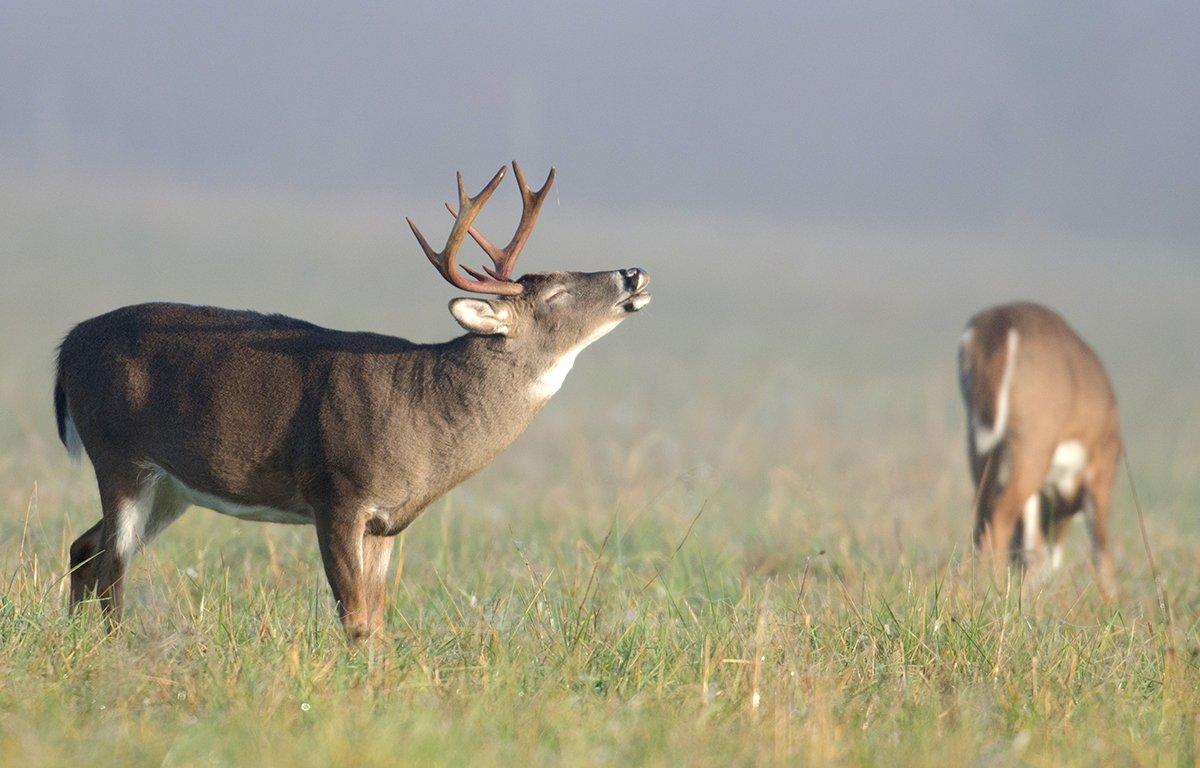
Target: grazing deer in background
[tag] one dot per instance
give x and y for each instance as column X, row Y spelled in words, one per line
column 267, row 418
column 1043, row 438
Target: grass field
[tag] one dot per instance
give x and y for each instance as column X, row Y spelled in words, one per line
column 739, row 535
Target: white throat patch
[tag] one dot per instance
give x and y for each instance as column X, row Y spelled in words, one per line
column 551, row 380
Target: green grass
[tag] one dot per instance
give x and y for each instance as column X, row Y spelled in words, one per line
column 741, row 544
column 612, row 616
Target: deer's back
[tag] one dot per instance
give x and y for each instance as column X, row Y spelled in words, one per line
column 221, row 399
column 1056, row 382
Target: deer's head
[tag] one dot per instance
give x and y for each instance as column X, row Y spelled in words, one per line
column 554, row 313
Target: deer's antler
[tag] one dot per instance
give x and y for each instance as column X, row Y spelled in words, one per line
column 531, row 204
column 444, row 261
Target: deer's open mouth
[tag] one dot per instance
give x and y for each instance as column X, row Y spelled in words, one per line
column 635, row 302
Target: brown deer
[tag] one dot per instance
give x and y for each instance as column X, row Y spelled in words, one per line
column 1043, row 438
column 267, row 418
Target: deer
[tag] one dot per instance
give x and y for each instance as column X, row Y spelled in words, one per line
column 268, row 418
column 1043, row 438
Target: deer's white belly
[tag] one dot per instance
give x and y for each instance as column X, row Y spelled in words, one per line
column 240, row 511
column 1068, row 464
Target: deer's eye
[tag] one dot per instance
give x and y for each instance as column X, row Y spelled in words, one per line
column 557, row 295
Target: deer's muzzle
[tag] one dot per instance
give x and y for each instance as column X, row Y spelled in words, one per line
column 635, row 280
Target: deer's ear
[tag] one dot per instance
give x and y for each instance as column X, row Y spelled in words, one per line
column 483, row 317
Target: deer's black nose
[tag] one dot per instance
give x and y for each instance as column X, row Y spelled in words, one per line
column 635, row 279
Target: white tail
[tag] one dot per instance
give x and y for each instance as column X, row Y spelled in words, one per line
column 67, row 431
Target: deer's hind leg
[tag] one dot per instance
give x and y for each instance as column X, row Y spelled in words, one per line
column 126, row 497
column 85, row 552
column 137, row 504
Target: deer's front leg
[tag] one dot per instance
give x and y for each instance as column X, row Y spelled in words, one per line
column 377, row 554
column 1030, row 463
column 340, row 537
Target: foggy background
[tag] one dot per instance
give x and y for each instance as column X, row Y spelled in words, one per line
column 1079, row 116
column 822, row 193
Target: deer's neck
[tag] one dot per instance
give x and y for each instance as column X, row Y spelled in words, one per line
column 485, row 388
column 486, row 368
column 453, row 408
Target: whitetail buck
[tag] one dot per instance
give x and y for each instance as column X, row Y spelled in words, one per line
column 1043, row 438
column 268, row 418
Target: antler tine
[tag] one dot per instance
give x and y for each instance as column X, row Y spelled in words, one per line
column 484, row 243
column 531, row 205
column 444, row 261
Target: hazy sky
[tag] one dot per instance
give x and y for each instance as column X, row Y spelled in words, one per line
column 1080, row 115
